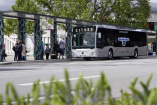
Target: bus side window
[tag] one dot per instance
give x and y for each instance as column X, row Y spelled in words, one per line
column 109, row 40
column 116, row 42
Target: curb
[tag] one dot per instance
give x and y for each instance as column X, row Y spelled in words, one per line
column 35, row 61
column 41, row 61
column 5, row 63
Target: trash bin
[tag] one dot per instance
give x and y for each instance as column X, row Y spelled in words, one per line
column 53, row 56
column 150, row 49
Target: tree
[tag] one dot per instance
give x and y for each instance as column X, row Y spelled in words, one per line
column 123, row 12
column 77, row 9
column 119, row 12
column 10, row 27
column 25, row 6
column 142, row 14
column 132, row 13
column 64, row 8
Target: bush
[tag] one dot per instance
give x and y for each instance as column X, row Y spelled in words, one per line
column 84, row 93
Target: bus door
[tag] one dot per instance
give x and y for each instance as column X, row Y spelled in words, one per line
column 140, row 41
column 105, row 41
column 101, row 44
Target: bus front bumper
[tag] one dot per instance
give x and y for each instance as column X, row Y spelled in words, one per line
column 83, row 54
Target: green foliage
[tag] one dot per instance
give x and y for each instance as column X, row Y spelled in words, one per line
column 25, row 6
column 119, row 12
column 84, row 93
column 10, row 27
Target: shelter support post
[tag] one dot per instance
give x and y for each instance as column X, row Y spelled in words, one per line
column 38, row 53
column 156, row 41
column 1, row 37
column 53, row 36
column 68, row 39
column 21, row 28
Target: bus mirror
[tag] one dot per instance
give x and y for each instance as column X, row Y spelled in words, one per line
column 99, row 35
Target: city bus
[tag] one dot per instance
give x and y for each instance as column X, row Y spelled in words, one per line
column 106, row 41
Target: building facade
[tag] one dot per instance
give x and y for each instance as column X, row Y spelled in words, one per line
column 152, row 24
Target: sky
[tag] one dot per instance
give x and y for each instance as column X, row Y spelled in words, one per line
column 5, row 4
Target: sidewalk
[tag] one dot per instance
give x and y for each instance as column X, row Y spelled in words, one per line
column 10, row 60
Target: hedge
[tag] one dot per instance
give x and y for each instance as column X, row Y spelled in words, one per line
column 83, row 93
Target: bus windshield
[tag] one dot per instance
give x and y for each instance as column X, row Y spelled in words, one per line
column 83, row 40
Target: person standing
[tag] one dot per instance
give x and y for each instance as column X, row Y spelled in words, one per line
column 15, row 51
column 62, row 47
column 42, row 50
column 56, row 49
column 4, row 54
column 23, row 51
column 19, row 49
column 47, row 51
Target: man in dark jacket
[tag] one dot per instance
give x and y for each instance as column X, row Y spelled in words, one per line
column 15, row 51
column 4, row 54
column 56, row 49
column 42, row 50
column 19, row 49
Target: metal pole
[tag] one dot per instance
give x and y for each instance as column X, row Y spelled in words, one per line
column 21, row 28
column 1, row 37
column 52, row 41
column 37, row 39
column 156, row 41
column 68, row 39
column 53, row 36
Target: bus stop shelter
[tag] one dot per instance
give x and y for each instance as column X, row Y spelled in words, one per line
column 22, row 17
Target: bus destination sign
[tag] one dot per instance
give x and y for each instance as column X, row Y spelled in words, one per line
column 83, row 29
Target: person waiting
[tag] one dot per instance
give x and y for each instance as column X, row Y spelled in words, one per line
column 56, row 49
column 47, row 51
column 62, row 47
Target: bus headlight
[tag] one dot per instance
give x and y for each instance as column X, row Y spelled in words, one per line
column 73, row 54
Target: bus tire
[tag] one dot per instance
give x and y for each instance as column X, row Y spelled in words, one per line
column 136, row 53
column 87, row 59
column 110, row 54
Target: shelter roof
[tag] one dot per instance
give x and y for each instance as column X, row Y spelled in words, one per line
column 33, row 16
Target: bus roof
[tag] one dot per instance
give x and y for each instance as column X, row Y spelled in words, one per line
column 120, row 28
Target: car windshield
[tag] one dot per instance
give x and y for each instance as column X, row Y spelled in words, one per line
column 84, row 40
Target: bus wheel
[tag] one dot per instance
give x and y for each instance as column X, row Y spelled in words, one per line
column 110, row 54
column 87, row 59
column 136, row 54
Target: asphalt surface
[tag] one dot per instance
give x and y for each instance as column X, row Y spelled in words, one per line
column 119, row 72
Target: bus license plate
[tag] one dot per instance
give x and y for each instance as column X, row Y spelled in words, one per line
column 83, row 55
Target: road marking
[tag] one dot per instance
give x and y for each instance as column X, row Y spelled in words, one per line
column 61, row 80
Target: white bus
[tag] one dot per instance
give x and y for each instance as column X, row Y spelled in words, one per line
column 108, row 41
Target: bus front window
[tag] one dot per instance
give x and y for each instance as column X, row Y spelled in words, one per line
column 84, row 40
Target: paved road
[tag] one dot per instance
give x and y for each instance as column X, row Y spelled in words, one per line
column 119, row 72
